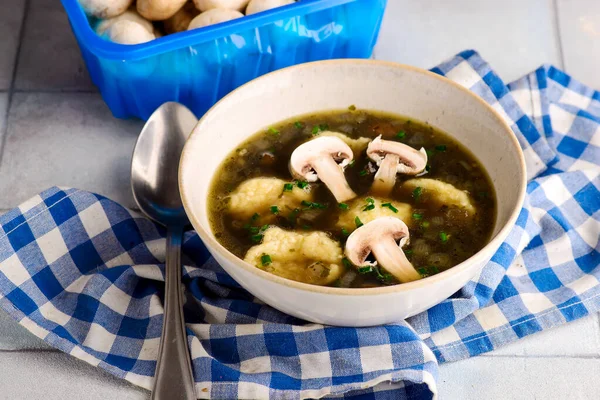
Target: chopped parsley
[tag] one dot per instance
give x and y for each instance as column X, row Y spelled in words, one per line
column 370, row 204
column 343, row 206
column 352, row 108
column 274, row 132
column 444, row 237
column 385, row 278
column 265, row 260
column 365, row 270
column 319, row 128
column 275, row 209
column 288, row 187
column 256, row 238
column 429, row 153
column 417, row 193
column 347, row 263
column 400, row 135
column 313, row 205
column 302, row 184
column 408, row 252
column 423, row 272
column 255, row 217
column 345, row 232
column 293, row 216
column 358, row 222
column 425, row 224
column 390, row 206
column 298, row 125
column 433, row 269
column 351, row 163
column 363, row 172
column 417, row 216
column 369, row 207
column 306, row 227
column 441, row 147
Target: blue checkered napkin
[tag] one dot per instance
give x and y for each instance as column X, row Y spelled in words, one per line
column 84, row 274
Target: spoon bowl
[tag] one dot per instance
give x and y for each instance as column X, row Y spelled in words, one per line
column 154, row 169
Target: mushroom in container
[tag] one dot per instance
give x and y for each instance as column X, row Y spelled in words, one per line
column 257, row 6
column 380, row 237
column 324, row 159
column 393, row 158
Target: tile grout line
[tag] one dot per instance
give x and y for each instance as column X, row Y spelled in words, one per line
column 13, row 78
column 32, row 351
column 558, row 35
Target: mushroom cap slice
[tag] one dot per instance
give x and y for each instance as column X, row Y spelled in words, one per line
column 411, row 161
column 380, row 238
column 318, row 159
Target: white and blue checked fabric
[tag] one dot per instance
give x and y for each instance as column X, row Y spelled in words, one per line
column 84, row 274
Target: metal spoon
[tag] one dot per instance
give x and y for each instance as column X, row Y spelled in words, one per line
column 154, row 182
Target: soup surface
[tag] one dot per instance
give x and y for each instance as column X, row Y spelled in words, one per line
column 298, row 230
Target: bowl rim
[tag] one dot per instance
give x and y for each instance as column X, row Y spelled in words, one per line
column 479, row 257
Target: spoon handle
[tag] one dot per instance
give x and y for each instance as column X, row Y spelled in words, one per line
column 173, row 378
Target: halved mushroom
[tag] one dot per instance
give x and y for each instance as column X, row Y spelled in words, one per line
column 318, row 159
column 380, row 237
column 393, row 158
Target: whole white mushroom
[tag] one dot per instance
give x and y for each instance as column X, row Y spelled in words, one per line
column 129, row 15
column 158, row 10
column 256, row 6
column 128, row 32
column 214, row 16
column 105, row 8
column 205, row 5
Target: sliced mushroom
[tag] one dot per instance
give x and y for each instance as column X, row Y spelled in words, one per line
column 380, row 237
column 318, row 160
column 393, row 158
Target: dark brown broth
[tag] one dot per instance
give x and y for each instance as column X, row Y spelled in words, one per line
column 449, row 161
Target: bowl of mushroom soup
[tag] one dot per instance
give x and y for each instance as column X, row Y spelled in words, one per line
column 352, row 192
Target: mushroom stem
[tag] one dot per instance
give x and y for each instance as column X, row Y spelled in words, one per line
column 332, row 175
column 391, row 257
column 385, row 178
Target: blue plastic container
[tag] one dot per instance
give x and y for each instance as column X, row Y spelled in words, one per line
column 198, row 67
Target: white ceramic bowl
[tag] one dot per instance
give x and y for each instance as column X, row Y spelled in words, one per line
column 370, row 85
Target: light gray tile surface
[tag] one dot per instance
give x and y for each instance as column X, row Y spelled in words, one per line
column 65, row 139
column 49, row 57
column 579, row 338
column 57, row 376
column 519, row 378
column 580, row 35
column 14, row 337
column 514, row 36
column 3, row 110
column 11, row 18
